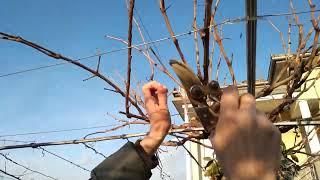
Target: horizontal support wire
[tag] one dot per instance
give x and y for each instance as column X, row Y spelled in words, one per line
column 51, row 153
column 56, row 131
column 64, row 159
column 25, row 167
column 296, row 122
column 227, row 21
column 97, row 139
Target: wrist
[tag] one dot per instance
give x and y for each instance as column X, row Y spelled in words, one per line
column 153, row 140
column 158, row 135
column 150, row 144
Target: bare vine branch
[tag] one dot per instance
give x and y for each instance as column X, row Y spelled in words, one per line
column 280, row 33
column 195, row 37
column 69, row 60
column 174, row 39
column 205, row 36
column 161, row 68
column 226, row 58
column 131, row 6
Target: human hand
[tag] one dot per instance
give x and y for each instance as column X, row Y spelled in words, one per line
column 247, row 144
column 155, row 97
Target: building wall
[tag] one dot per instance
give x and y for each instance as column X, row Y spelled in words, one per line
column 314, row 91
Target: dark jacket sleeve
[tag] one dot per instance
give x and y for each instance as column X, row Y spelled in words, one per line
column 129, row 162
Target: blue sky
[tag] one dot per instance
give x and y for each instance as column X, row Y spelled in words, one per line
column 57, row 98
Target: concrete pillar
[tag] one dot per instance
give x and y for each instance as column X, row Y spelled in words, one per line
column 188, row 146
column 314, row 143
column 193, row 171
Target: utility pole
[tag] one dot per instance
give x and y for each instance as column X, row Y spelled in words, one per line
column 251, row 15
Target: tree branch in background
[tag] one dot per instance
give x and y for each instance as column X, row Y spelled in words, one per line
column 174, row 39
column 295, row 59
column 298, row 80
